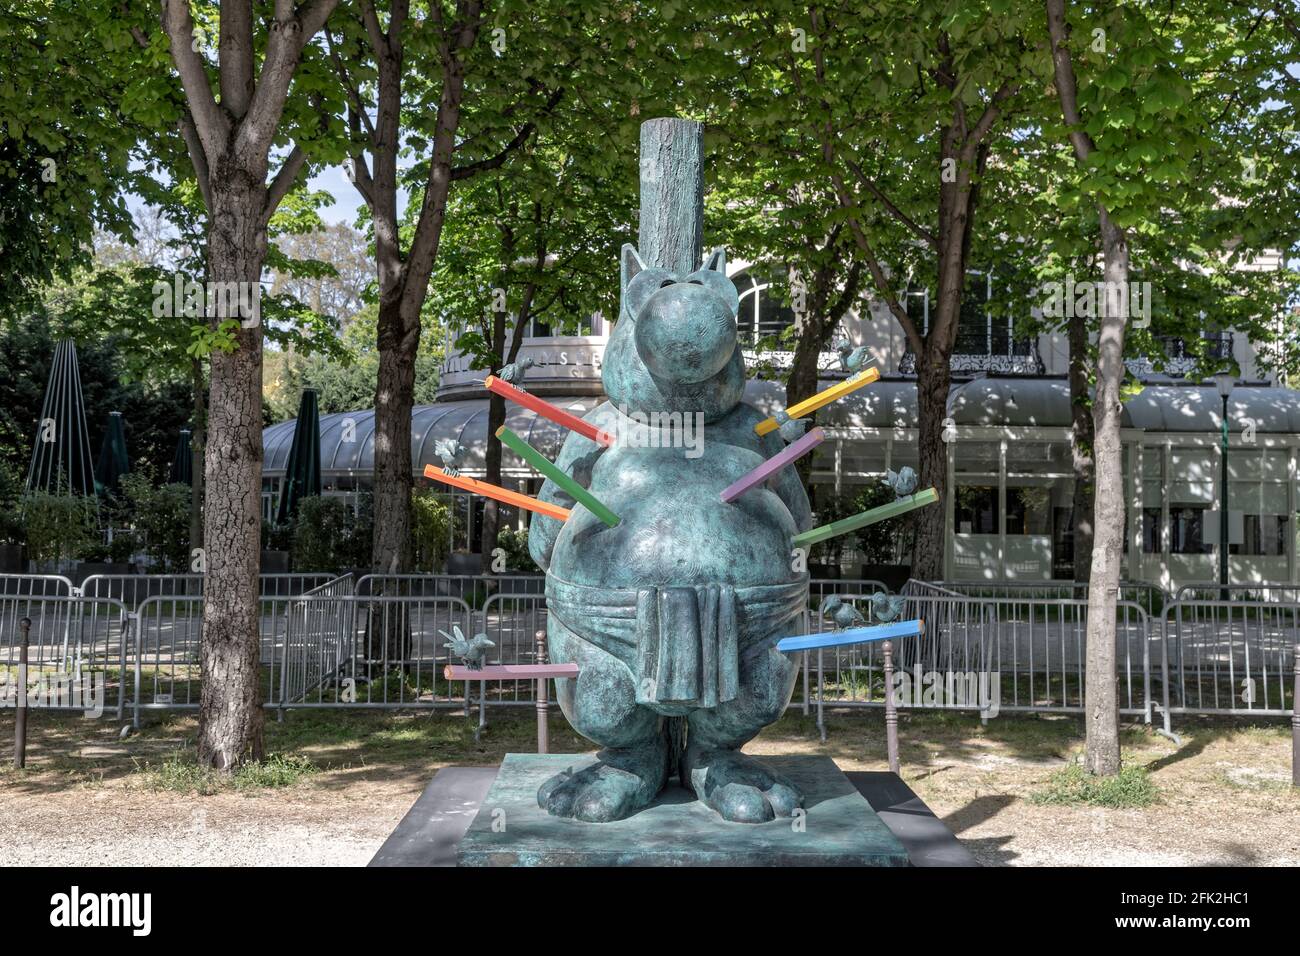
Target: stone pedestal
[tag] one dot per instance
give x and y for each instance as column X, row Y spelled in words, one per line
column 839, row 827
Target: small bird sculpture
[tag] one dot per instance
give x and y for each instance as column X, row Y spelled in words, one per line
column 790, row 429
column 452, row 454
column 513, row 373
column 902, row 481
column 844, row 614
column 852, row 359
column 887, row 607
column 471, row 651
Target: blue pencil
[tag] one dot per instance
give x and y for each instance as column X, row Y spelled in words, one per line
column 856, row 635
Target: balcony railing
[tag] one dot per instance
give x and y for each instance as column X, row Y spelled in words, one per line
column 1182, row 356
column 987, row 350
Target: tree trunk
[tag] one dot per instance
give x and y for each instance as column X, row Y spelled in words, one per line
column 394, row 399
column 1101, row 705
column 230, row 708
column 933, row 377
column 491, row 510
column 1081, row 442
column 198, row 437
column 802, row 384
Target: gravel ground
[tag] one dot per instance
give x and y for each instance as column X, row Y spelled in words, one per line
column 88, row 798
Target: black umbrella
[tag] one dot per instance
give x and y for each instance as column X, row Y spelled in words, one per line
column 61, row 455
column 113, row 462
column 302, row 470
column 182, row 472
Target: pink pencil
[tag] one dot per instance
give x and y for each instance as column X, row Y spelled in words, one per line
column 796, row 449
column 510, row 671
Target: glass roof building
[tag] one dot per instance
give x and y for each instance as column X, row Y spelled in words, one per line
column 1009, row 515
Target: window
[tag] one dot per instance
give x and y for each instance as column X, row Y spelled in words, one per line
column 1186, row 531
column 762, row 311
column 1029, row 510
column 1151, row 531
column 977, row 509
column 1262, row 535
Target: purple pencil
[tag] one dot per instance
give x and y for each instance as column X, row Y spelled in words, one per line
column 796, row 449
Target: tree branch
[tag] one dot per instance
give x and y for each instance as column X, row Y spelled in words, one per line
column 918, row 230
column 210, row 122
column 496, row 161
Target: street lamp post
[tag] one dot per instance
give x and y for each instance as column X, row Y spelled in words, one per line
column 1223, row 382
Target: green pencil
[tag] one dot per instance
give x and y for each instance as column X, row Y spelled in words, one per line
column 543, row 464
column 903, row 505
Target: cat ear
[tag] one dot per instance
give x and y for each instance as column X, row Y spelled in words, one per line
column 716, row 261
column 630, row 264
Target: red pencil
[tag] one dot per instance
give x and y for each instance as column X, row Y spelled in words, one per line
column 547, row 410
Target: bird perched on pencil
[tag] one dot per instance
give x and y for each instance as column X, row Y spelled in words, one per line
column 471, row 651
column 452, row 454
column 902, row 481
column 513, row 373
column 790, row 429
column 886, row 607
column 844, row 614
column 852, row 360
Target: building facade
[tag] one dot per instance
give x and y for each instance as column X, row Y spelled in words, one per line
column 1009, row 514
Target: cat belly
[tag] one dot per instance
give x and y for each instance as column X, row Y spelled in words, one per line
column 674, row 528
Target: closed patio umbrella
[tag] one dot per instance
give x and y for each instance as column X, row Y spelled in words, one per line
column 302, row 470
column 113, row 462
column 182, row 472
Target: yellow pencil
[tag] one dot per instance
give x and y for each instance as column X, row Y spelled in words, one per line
column 824, row 397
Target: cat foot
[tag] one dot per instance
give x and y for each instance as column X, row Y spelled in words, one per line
column 619, row 784
column 739, row 788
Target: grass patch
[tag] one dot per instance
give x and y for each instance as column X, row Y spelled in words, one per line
column 179, row 772
column 1131, row 788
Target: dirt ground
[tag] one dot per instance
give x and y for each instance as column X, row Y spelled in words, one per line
column 88, row 797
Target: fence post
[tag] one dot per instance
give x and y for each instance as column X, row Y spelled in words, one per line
column 1295, row 720
column 20, row 714
column 891, row 713
column 543, row 690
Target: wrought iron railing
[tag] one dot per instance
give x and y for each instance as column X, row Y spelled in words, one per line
column 987, row 350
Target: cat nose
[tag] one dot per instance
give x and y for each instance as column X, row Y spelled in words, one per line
column 685, row 334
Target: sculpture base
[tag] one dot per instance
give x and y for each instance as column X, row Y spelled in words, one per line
column 839, row 827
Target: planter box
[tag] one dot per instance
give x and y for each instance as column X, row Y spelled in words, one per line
column 11, row 559
column 275, row 562
column 893, row 576
column 464, row 563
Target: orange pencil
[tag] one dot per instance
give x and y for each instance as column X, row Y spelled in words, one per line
column 500, row 494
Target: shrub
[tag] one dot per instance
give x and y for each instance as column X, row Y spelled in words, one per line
column 431, row 529
column 330, row 536
column 59, row 526
column 515, row 545
column 161, row 517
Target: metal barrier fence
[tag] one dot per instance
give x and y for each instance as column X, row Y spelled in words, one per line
column 1150, row 597
column 36, row 585
column 1255, row 593
column 78, row 651
column 358, row 644
column 1229, row 657
column 986, row 655
column 133, row 589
